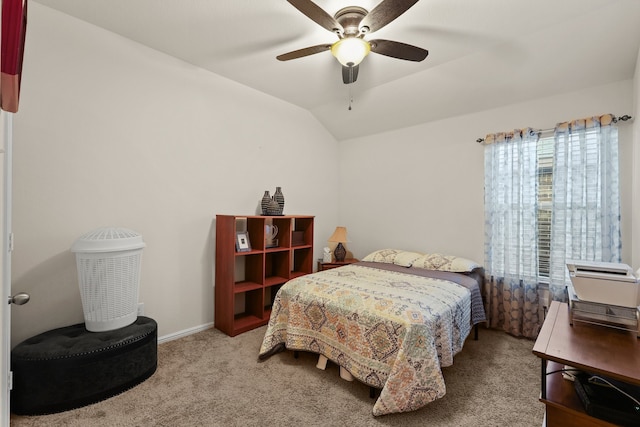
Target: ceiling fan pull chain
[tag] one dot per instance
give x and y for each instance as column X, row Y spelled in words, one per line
column 350, row 98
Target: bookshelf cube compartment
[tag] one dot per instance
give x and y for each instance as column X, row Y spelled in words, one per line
column 284, row 231
column 269, row 297
column 301, row 262
column 302, row 233
column 248, row 309
column 248, row 271
column 276, row 267
column 255, row 227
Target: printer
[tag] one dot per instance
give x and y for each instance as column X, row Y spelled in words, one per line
column 604, row 293
column 604, row 282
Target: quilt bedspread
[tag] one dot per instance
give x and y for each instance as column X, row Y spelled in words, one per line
column 390, row 329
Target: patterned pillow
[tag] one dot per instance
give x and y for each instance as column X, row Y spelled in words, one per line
column 383, row 255
column 406, row 258
column 393, row 256
column 445, row 263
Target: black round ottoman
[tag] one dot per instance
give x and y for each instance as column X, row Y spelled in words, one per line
column 70, row 367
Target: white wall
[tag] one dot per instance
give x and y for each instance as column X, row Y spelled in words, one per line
column 635, row 259
column 112, row 133
column 422, row 188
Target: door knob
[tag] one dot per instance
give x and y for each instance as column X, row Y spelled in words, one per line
column 19, row 299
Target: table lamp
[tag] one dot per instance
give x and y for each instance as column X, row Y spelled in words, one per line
column 339, row 236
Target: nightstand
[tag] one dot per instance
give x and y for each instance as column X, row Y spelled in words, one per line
column 329, row 265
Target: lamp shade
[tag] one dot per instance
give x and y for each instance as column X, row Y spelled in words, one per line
column 350, row 51
column 339, row 236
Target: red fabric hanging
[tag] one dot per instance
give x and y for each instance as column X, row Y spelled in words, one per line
column 14, row 29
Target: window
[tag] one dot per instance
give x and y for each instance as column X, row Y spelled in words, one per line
column 545, row 199
column 585, row 192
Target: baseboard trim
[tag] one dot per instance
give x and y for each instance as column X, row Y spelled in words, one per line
column 184, row 333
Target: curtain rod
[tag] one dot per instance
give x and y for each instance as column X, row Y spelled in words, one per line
column 615, row 120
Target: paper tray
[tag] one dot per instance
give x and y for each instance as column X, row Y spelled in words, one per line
column 623, row 293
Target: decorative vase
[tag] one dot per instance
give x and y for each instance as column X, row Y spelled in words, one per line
column 265, row 202
column 273, row 208
column 340, row 252
column 279, row 197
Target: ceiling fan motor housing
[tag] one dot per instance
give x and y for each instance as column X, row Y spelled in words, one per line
column 350, row 18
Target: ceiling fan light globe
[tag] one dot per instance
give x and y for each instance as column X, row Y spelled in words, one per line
column 350, row 51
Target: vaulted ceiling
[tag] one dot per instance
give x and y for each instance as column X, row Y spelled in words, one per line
column 482, row 53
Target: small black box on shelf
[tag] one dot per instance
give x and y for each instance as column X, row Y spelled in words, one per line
column 608, row 399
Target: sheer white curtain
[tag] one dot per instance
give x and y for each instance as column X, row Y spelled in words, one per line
column 511, row 244
column 586, row 197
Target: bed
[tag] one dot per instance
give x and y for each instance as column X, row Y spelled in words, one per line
column 392, row 321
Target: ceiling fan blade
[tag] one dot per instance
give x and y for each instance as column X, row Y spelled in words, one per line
column 385, row 12
column 303, row 52
column 349, row 74
column 318, row 15
column 398, row 50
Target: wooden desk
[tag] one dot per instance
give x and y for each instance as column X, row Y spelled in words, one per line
column 596, row 349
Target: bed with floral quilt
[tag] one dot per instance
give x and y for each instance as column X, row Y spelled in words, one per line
column 391, row 320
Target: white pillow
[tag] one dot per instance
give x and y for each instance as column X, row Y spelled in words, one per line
column 445, row 263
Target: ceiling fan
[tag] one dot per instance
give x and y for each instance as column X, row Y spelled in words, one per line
column 351, row 24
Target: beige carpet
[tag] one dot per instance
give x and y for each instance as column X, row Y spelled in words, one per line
column 210, row 379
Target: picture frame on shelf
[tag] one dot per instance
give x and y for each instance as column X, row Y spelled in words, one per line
column 243, row 244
